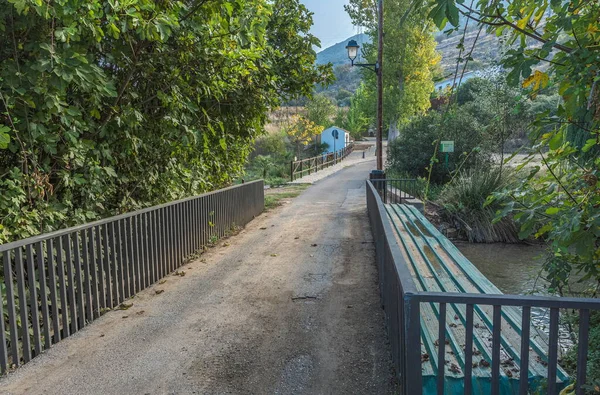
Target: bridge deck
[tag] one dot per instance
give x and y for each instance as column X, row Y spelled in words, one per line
column 438, row 266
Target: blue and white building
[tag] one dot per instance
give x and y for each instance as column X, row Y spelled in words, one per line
column 335, row 144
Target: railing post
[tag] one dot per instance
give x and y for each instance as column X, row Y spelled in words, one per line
column 411, row 371
column 292, row 170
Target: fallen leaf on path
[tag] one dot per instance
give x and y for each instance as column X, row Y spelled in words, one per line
column 313, row 245
column 125, row 316
column 124, row 306
column 159, row 291
column 296, row 238
column 263, row 228
column 273, row 255
column 226, row 244
column 140, row 312
column 162, row 281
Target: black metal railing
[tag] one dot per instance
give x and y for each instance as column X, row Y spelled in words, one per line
column 395, row 191
column 403, row 302
column 300, row 168
column 56, row 283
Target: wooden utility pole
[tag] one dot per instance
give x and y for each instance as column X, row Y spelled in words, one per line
column 380, row 90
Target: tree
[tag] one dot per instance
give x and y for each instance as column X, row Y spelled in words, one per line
column 320, row 110
column 412, row 151
column 409, row 57
column 111, row 106
column 358, row 117
column 301, row 132
column 560, row 199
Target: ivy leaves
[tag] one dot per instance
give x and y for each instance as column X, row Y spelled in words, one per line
column 4, row 137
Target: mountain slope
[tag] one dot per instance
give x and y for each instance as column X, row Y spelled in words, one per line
column 337, row 54
column 486, row 53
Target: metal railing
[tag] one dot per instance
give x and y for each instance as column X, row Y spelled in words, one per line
column 395, row 191
column 300, row 168
column 56, row 283
column 402, row 302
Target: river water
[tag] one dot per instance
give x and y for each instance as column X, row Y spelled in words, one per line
column 515, row 269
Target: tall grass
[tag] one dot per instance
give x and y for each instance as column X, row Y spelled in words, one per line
column 463, row 201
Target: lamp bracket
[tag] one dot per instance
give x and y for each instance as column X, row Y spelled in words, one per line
column 371, row 66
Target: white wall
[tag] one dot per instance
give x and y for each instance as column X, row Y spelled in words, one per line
column 340, row 143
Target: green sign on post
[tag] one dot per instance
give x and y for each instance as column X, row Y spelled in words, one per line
column 447, row 147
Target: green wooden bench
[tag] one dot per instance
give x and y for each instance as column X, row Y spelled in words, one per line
column 438, row 266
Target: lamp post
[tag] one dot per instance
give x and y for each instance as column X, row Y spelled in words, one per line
column 353, row 48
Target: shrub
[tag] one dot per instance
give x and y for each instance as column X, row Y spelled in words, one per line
column 471, row 89
column 464, row 203
column 271, row 144
column 412, row 151
column 569, row 361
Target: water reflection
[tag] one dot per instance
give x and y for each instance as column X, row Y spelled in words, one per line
column 515, row 269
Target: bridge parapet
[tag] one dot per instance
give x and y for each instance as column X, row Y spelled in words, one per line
column 451, row 330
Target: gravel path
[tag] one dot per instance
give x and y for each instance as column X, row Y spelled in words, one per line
column 288, row 306
column 354, row 158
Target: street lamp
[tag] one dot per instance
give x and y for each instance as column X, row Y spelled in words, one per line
column 353, row 48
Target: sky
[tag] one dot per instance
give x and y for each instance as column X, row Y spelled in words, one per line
column 331, row 22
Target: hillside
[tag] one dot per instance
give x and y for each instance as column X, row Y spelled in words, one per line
column 487, row 50
column 486, row 53
column 337, row 54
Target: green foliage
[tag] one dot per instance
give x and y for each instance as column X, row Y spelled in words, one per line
column 569, row 362
column 473, row 89
column 499, row 108
column 412, row 151
column 463, row 200
column 270, row 159
column 320, row 110
column 347, row 79
column 263, row 164
column 559, row 200
column 420, row 185
column 302, row 132
column 410, row 58
column 110, row 106
column 273, row 145
column 359, row 116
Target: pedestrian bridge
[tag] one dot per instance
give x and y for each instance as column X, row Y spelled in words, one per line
column 473, row 338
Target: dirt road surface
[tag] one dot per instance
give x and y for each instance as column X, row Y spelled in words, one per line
column 288, row 306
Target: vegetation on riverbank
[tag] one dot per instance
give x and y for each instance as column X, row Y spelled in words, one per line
column 107, row 107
